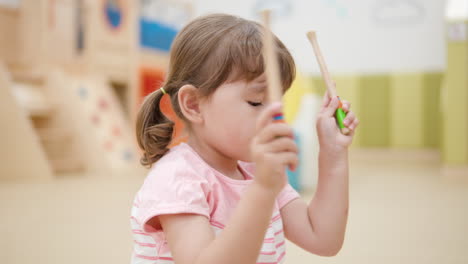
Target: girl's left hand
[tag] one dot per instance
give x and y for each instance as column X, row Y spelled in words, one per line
column 329, row 134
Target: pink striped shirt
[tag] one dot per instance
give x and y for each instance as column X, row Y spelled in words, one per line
column 181, row 182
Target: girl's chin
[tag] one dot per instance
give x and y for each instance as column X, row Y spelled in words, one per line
column 241, row 154
column 246, row 159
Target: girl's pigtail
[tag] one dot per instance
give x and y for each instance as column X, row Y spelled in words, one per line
column 153, row 129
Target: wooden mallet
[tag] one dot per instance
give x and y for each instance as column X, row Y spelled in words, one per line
column 340, row 115
column 271, row 64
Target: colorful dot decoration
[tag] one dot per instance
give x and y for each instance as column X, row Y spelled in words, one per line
column 128, row 155
column 108, row 145
column 95, row 119
column 103, row 104
column 116, row 132
column 82, row 92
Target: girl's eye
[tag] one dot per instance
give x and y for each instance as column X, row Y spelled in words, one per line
column 254, row 103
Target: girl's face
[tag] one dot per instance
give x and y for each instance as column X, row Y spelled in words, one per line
column 230, row 116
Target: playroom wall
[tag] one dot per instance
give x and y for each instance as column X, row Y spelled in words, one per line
column 401, row 63
column 392, row 59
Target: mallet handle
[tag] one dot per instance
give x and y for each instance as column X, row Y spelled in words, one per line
column 323, row 67
column 271, row 61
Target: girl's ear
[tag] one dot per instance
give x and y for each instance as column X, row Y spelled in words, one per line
column 189, row 103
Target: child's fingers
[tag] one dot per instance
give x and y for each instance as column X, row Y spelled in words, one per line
column 354, row 125
column 289, row 159
column 345, row 105
column 330, row 109
column 325, row 100
column 282, row 144
column 350, row 117
column 266, row 116
column 274, row 130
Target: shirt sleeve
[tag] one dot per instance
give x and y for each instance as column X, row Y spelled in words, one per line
column 171, row 190
column 287, row 195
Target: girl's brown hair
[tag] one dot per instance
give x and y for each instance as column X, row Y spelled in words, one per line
column 205, row 53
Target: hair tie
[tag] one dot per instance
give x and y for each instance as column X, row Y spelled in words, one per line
column 162, row 90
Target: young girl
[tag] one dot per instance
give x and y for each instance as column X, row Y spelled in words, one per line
column 223, row 196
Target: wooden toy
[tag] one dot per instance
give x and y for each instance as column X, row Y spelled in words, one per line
column 340, row 114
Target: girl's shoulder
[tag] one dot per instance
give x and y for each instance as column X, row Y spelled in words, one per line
column 178, row 163
column 182, row 163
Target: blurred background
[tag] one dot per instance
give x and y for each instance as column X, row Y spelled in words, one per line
column 73, row 74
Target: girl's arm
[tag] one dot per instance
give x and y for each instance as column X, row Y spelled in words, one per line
column 320, row 226
column 192, row 239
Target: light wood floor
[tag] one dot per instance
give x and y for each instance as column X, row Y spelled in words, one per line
column 402, row 211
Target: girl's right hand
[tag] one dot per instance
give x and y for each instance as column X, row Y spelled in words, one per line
column 330, row 138
column 273, row 150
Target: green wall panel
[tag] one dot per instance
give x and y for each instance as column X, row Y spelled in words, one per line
column 375, row 110
column 455, row 107
column 318, row 85
column 406, row 107
column 432, row 113
column 400, row 110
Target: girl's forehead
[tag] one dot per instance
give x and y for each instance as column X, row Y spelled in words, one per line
column 258, row 85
